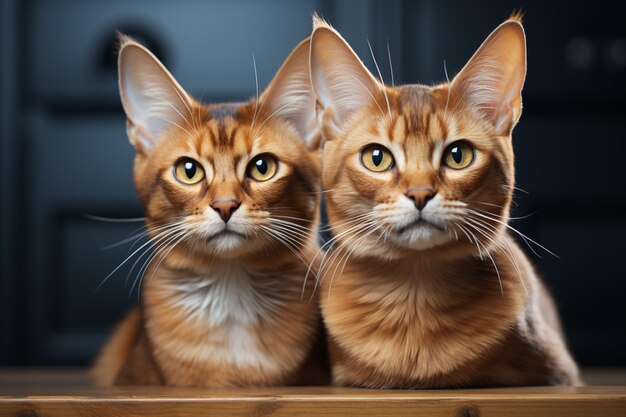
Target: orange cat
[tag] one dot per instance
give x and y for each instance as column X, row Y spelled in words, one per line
column 231, row 195
column 424, row 286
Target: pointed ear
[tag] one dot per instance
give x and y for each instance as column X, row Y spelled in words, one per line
column 151, row 97
column 491, row 82
column 289, row 95
column 340, row 81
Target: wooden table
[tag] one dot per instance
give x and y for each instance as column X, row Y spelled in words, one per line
column 67, row 393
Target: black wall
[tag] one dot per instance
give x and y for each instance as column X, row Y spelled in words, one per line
column 64, row 151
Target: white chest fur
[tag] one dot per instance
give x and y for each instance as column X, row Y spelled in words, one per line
column 231, row 301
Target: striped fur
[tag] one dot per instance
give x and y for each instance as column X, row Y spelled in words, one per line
column 222, row 303
column 450, row 300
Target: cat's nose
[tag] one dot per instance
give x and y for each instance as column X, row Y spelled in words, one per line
column 420, row 196
column 225, row 207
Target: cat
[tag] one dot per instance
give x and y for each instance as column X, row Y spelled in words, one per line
column 423, row 285
column 231, row 193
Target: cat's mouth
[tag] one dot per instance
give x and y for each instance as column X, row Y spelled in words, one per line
column 225, row 233
column 420, row 222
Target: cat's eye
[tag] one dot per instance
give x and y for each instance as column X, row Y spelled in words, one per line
column 262, row 167
column 377, row 158
column 188, row 171
column 458, row 155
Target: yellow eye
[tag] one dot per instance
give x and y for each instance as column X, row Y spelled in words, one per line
column 262, row 168
column 459, row 155
column 188, row 171
column 377, row 158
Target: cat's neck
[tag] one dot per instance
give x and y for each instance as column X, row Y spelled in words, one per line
column 500, row 271
column 219, row 290
column 227, row 291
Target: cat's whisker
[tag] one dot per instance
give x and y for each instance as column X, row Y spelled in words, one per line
column 256, row 103
column 304, row 231
column 330, row 227
column 281, row 238
column 158, row 243
column 151, row 255
column 294, row 235
column 384, row 234
column 351, row 228
column 523, row 236
column 497, row 272
column 197, row 121
column 300, row 236
column 357, row 244
column 134, row 237
column 501, row 244
column 491, row 233
column 515, row 188
column 331, row 242
column 456, row 235
column 356, row 232
column 380, row 75
column 346, row 222
column 322, row 191
column 158, row 252
column 486, row 204
column 148, row 231
column 293, row 242
column 393, row 81
column 122, row 264
column 469, row 238
column 288, row 224
column 114, row 219
column 182, row 236
column 346, row 256
column 445, row 70
column 279, row 217
column 278, row 211
column 509, row 218
column 472, row 238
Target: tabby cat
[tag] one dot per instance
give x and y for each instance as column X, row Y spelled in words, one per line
column 423, row 286
column 231, row 195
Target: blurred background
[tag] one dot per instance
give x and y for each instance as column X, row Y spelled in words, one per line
column 64, row 151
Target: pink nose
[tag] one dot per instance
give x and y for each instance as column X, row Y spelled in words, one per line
column 420, row 196
column 225, row 207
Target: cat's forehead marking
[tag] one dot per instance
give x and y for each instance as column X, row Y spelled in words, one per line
column 416, row 105
column 419, row 127
column 225, row 145
column 222, row 134
column 421, row 113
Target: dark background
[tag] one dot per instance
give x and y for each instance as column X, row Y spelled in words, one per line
column 64, row 151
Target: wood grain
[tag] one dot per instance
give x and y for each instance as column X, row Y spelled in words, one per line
column 44, row 394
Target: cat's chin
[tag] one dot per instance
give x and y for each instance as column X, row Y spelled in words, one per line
column 421, row 236
column 227, row 244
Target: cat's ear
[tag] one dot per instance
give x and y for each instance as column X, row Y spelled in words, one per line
column 491, row 82
column 340, row 81
column 152, row 99
column 289, row 95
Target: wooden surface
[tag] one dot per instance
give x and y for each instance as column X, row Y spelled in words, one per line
column 67, row 393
